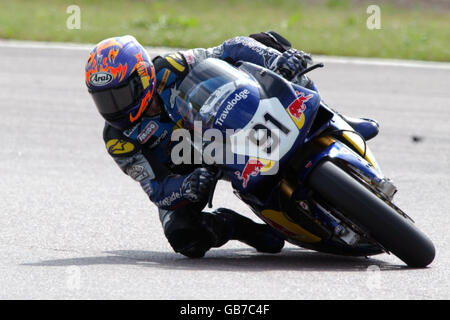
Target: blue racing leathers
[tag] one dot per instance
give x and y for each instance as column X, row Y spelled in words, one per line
column 143, row 151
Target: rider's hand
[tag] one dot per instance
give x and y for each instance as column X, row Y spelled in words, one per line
column 196, row 186
column 291, row 62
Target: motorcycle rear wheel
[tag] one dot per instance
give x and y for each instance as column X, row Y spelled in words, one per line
column 394, row 232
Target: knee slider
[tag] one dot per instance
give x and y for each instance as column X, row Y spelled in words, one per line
column 192, row 243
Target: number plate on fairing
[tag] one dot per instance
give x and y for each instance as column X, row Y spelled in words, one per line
column 272, row 127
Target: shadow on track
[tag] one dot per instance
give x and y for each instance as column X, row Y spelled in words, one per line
column 228, row 260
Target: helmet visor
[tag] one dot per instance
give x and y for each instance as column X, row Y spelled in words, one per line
column 115, row 100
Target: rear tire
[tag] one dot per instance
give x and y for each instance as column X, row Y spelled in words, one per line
column 362, row 207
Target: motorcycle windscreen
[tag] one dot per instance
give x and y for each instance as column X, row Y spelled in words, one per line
column 205, row 88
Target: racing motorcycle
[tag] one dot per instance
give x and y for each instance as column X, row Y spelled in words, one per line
column 296, row 162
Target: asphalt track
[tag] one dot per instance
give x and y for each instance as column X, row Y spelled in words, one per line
column 72, row 226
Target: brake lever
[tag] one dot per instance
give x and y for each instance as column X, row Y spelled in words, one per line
column 313, row 67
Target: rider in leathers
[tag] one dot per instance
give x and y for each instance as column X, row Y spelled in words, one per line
column 140, row 141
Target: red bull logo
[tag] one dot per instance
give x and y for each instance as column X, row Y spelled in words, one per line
column 251, row 169
column 297, row 107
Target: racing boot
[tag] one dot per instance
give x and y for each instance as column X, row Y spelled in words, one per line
column 368, row 128
column 259, row 236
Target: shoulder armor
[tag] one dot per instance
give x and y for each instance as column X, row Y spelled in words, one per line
column 170, row 69
column 175, row 62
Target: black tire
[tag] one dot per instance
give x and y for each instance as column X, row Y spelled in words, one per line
column 362, row 207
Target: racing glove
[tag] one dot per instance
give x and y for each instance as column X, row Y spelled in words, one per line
column 290, row 62
column 196, row 185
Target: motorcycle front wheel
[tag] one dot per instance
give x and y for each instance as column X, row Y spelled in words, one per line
column 394, row 232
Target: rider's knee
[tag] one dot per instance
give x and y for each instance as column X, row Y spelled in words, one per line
column 192, row 243
column 185, row 232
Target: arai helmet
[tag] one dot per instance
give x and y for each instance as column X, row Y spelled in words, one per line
column 120, row 77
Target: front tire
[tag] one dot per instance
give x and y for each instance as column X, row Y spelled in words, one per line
column 395, row 233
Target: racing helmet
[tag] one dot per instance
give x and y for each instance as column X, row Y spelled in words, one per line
column 120, row 77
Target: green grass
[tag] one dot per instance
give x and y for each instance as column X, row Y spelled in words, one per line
column 335, row 27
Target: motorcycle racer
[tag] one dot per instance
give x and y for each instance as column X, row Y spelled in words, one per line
column 133, row 92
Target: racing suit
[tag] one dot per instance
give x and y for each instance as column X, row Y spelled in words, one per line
column 143, row 152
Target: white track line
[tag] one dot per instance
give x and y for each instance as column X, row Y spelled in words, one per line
column 158, row 50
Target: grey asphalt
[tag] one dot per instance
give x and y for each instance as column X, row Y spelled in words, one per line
column 73, row 226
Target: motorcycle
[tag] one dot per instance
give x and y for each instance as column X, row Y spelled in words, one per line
column 296, row 162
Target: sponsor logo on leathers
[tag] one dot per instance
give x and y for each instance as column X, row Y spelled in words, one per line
column 147, row 132
column 137, row 172
column 167, row 201
column 159, row 139
column 118, row 147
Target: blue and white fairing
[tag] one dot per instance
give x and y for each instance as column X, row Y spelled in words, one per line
column 262, row 117
column 213, row 88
